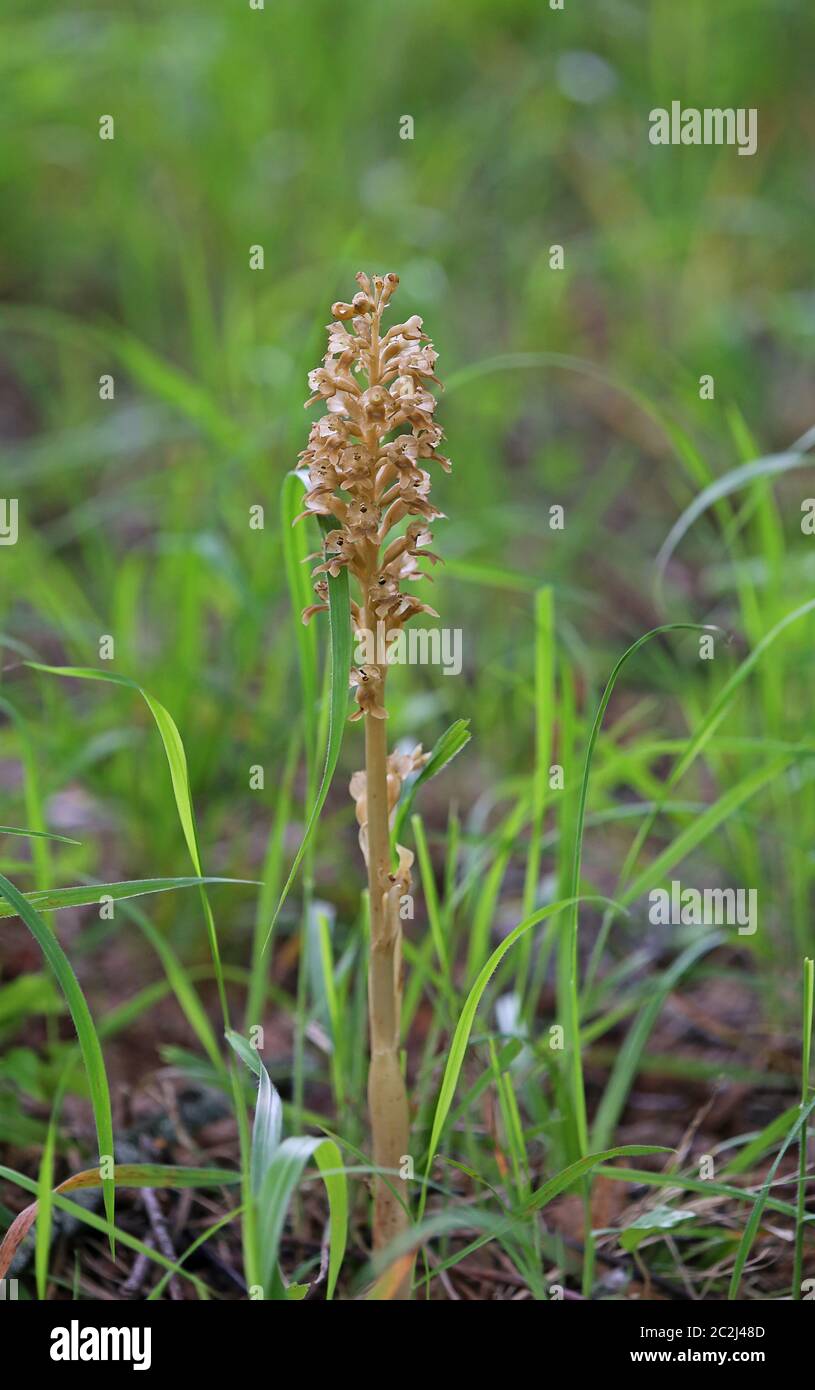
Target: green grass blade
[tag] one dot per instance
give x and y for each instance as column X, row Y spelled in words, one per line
column 806, row 1064
column 461, row 1035
column 751, row 1229
column 329, row 1161
column 544, row 672
column 276, row 1169
column 744, row 1158
column 37, row 835
column 181, row 985
column 489, row 890
column 280, row 1180
column 706, row 1186
column 267, row 897
column 570, row 1175
column 568, row 989
column 498, row 1227
column 200, row 1240
column 248, row 1054
column 45, row 1182
column 179, row 776
column 295, row 550
column 430, row 896
column 88, row 894
column 703, row 826
column 135, row 1175
column 625, row 1068
column 451, row 742
column 34, row 801
column 707, row 727
column 336, row 1020
column 339, row 604
column 569, row 1006
column 85, row 1031
column 170, row 737
column 268, row 1124
column 771, row 466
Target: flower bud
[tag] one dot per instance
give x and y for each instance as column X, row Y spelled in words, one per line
column 389, row 285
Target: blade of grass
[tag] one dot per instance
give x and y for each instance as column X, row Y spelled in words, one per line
column 625, row 1068
column 706, row 1186
column 569, row 1006
column 124, row 1175
column 276, row 1169
column 45, row 1181
column 279, row 1183
column 268, row 1123
column 489, row 890
column 295, row 553
column 335, row 1020
column 751, row 1229
column 703, row 826
column 451, row 742
column 544, row 653
column 806, row 1062
column 772, row 465
column 461, row 1036
column 85, row 1031
column 181, row 985
column 570, row 1175
column 272, row 873
column 179, row 776
column 744, row 1158
column 568, row 967
column 154, row 373
column 707, row 727
column 200, row 1240
column 495, row 1226
column 431, row 897
column 34, row 802
column 684, row 446
column 339, row 605
column 37, row 835
column 89, row 894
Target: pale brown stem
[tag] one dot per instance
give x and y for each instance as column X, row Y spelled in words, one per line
column 387, row 1096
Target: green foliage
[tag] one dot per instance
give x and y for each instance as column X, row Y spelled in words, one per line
column 576, row 388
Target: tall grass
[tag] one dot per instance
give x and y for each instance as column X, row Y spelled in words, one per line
column 577, row 388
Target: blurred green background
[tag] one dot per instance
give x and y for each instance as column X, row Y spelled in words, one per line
column 281, row 128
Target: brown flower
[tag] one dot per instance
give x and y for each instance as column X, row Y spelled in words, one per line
column 367, row 682
column 364, row 458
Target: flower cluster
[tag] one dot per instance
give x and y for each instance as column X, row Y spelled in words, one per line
column 365, row 467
